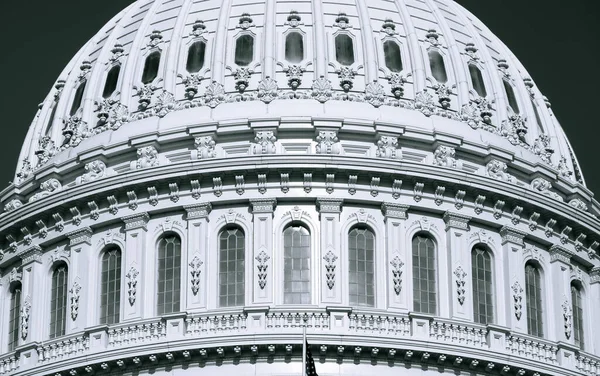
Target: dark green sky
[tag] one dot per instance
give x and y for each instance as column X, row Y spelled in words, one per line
column 556, row 40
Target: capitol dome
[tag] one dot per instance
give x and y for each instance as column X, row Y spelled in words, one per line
column 208, row 183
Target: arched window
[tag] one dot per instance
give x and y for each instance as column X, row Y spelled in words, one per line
column 195, row 58
column 151, row 67
column 110, row 286
column 296, row 269
column 112, row 78
column 424, row 275
column 169, row 275
column 512, row 99
column 483, row 298
column 58, row 301
column 393, row 58
column 577, row 315
column 294, row 47
column 14, row 314
column 344, row 49
column 438, row 68
column 477, row 80
column 78, row 98
column 533, row 294
column 361, row 254
column 244, row 50
column 231, row 267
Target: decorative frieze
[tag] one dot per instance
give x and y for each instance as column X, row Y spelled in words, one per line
column 558, row 253
column 392, row 210
column 263, row 205
column 80, row 236
column 512, row 235
column 33, row 254
column 457, row 221
column 136, row 221
column 196, row 211
column 329, row 205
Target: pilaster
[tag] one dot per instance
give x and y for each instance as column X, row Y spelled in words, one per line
column 194, row 280
column 262, row 256
column 329, row 213
column 78, row 312
column 133, row 263
column 396, row 255
column 560, row 315
column 592, row 340
column 33, row 281
column 513, row 302
column 459, row 272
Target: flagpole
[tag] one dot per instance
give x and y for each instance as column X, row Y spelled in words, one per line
column 304, row 348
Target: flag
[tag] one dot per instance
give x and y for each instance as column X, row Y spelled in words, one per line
column 310, row 362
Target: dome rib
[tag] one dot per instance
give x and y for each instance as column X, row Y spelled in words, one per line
column 369, row 50
column 270, row 58
column 220, row 43
column 174, row 50
column 417, row 59
column 319, row 39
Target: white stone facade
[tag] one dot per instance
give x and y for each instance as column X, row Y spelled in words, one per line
column 325, row 145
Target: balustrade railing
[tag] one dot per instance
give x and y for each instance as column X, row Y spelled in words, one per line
column 460, row 334
column 8, row 363
column 588, row 365
column 131, row 334
column 63, row 347
column 285, row 319
column 380, row 324
column 532, row 348
column 214, row 324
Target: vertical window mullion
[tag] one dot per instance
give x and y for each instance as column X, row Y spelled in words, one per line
column 58, row 301
column 297, row 269
column 15, row 307
column 169, row 275
column 424, row 287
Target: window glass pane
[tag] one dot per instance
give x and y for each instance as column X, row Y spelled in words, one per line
column 151, row 67
column 344, row 49
column 481, row 271
column 111, row 81
column 393, row 58
column 424, row 275
column 294, row 48
column 58, row 301
column 510, row 94
column 244, row 50
column 361, row 277
column 477, row 80
column 578, row 332
column 14, row 314
column 231, row 267
column 438, row 68
column 533, row 292
column 78, row 98
column 296, row 279
column 195, row 59
column 110, row 291
column 169, row 274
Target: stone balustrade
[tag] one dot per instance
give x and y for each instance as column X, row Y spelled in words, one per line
column 133, row 334
column 532, row 348
column 8, row 363
column 63, row 347
column 471, row 335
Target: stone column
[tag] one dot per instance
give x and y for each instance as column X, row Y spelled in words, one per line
column 513, row 302
column 262, row 251
column 458, row 277
column 396, row 255
column 331, row 288
column 34, row 318
column 194, row 281
column 593, row 301
column 137, row 304
column 559, row 314
column 79, row 284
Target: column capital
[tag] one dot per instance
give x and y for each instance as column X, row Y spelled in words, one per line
column 83, row 235
column 558, row 253
column 32, row 254
column 136, row 221
column 392, row 210
column 595, row 275
column 512, row 235
column 263, row 205
column 457, row 221
column 201, row 210
column 329, row 204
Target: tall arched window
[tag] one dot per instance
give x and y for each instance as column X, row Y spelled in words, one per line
column 14, row 314
column 533, row 294
column 510, row 95
column 361, row 254
column 195, row 58
column 244, row 50
column 151, row 65
column 58, row 301
column 110, row 286
column 169, row 274
column 483, row 297
column 78, row 98
column 294, row 47
column 424, row 274
column 577, row 315
column 477, row 80
column 438, row 68
column 231, row 267
column 393, row 58
column 112, row 78
column 344, row 49
column 296, row 265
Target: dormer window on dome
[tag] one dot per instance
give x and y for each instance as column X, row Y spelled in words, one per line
column 294, row 47
column 195, row 58
column 151, row 67
column 344, row 49
column 112, row 78
column 78, row 98
column 510, row 94
column 438, row 68
column 244, row 50
column 393, row 57
column 477, row 80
